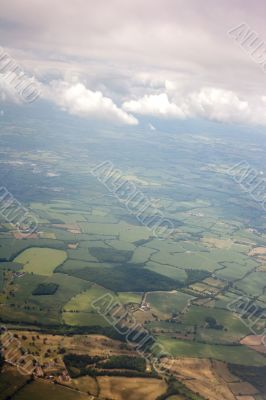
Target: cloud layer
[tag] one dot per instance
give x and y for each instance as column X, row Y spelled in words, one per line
column 78, row 100
column 210, row 103
column 167, row 58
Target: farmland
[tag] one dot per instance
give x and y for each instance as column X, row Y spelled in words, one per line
column 88, row 245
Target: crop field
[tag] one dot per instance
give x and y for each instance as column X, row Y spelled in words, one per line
column 128, row 297
column 41, row 261
column 79, row 310
column 87, row 384
column 10, row 248
column 84, row 318
column 253, row 285
column 233, row 354
column 197, row 316
column 165, row 304
column 83, row 301
column 130, row 388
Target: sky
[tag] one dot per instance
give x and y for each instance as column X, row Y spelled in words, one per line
column 121, row 60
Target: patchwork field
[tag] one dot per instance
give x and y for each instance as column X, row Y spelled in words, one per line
column 179, row 288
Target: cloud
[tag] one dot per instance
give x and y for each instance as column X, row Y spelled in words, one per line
column 155, row 105
column 210, row 103
column 218, row 105
column 78, row 100
column 167, row 39
column 165, row 53
column 7, row 92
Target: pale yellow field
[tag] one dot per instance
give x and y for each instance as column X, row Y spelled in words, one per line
column 214, row 282
column 243, row 388
column 86, row 384
column 218, row 243
column 119, row 388
column 257, row 251
column 200, row 377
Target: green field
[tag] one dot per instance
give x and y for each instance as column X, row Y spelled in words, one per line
column 129, row 297
column 27, row 307
column 166, row 304
column 83, row 301
column 41, row 261
column 253, row 285
column 233, row 354
column 197, row 316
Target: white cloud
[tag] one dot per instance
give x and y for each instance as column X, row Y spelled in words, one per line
column 8, row 93
column 227, row 106
column 217, row 104
column 156, row 105
column 78, row 100
column 210, row 103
